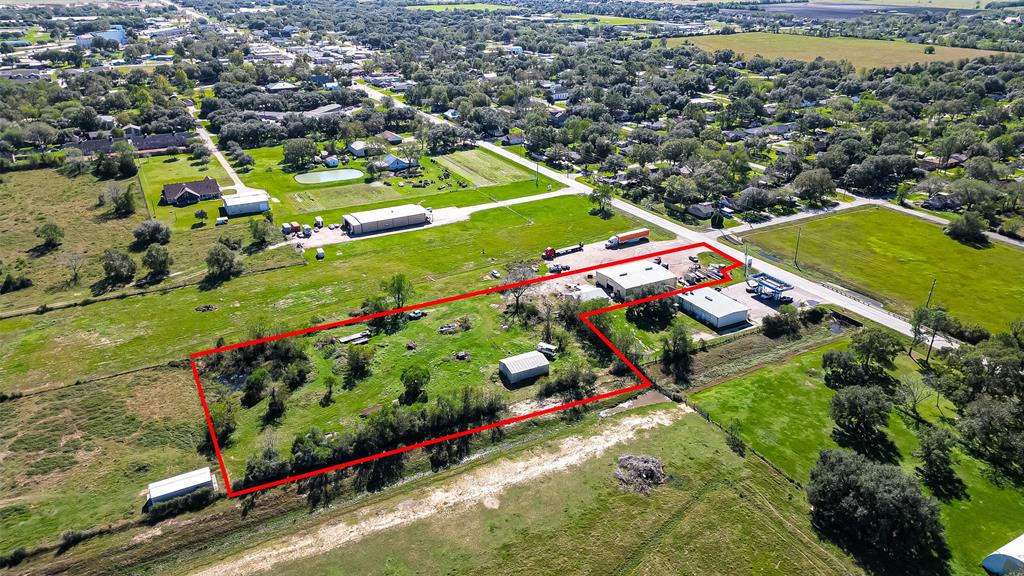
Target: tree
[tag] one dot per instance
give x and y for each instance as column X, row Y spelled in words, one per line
column 358, row 358
column 74, row 262
column 299, row 152
column 122, row 199
column 841, row 369
column 859, row 411
column 399, row 288
column 262, row 231
column 517, row 274
column 222, row 414
column 254, row 387
column 875, row 347
column 785, row 322
column 968, row 228
column 201, row 216
column 158, row 259
column 602, row 196
column 222, row 263
column 653, row 315
column 151, row 232
column 276, row 405
column 677, row 352
column 50, row 233
column 910, row 392
column 414, row 380
column 875, row 512
column 936, row 454
column 118, row 267
column 815, row 185
column 717, row 220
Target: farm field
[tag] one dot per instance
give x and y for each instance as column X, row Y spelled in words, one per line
column 862, row 53
column 77, row 458
column 156, row 171
column 466, row 6
column 112, row 336
column 610, row 20
column 893, row 257
column 783, row 413
column 713, row 501
column 493, row 179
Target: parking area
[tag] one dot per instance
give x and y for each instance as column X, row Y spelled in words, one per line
column 594, row 254
column 760, row 307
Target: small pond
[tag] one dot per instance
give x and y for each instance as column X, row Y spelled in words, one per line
column 328, row 176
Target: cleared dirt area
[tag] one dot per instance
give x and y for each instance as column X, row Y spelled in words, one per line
column 483, row 486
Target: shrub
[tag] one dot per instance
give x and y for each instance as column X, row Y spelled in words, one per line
column 190, row 502
column 151, row 232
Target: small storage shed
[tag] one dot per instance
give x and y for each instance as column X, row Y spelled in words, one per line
column 1007, row 560
column 525, row 366
column 246, row 203
column 179, row 486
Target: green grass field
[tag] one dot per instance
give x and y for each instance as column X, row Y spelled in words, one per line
column 493, row 178
column 110, row 337
column 156, row 171
column 487, row 341
column 782, row 411
column 579, row 521
column 610, row 20
column 893, row 257
column 79, row 458
column 466, row 6
column 862, row 53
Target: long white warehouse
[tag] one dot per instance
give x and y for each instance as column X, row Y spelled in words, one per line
column 246, row 203
column 385, row 219
column 628, row 281
column 713, row 308
column 180, row 485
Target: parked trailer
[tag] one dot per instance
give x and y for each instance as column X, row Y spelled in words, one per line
column 296, row 228
column 551, row 253
column 306, row 230
column 318, row 221
column 628, row 238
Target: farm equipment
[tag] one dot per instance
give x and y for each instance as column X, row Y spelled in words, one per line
column 552, row 253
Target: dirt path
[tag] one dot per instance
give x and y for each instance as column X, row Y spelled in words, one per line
column 483, row 485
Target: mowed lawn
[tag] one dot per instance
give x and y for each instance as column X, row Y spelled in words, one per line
column 862, row 53
column 717, row 513
column 483, row 168
column 610, row 20
column 114, row 336
column 467, row 6
column 783, row 413
column 156, row 171
column 893, row 257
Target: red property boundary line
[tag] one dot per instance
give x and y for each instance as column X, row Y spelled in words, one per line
column 585, row 317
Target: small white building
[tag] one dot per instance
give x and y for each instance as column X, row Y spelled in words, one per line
column 383, row 219
column 1007, row 560
column 357, row 148
column 628, row 281
column 586, row 293
column 525, row 366
column 246, row 203
column 179, row 486
column 713, row 308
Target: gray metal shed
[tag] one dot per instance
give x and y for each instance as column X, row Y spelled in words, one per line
column 385, row 219
column 522, row 367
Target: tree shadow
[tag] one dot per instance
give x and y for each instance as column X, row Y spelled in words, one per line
column 41, row 250
column 211, row 282
column 946, row 487
column 877, row 447
column 602, row 213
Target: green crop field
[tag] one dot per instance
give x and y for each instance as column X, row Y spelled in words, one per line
column 862, row 53
column 579, row 521
column 156, row 171
column 482, row 168
column 893, row 257
column 783, row 413
column 81, row 457
column 112, row 336
column 467, row 6
column 610, row 20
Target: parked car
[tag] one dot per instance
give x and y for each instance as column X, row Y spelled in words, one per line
column 495, row 274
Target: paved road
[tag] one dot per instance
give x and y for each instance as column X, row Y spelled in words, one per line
column 236, row 182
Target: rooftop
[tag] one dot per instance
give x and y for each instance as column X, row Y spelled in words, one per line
column 637, row 274
column 180, row 482
column 713, row 302
column 525, row 361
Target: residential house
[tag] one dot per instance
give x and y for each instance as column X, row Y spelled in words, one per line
column 390, row 137
column 558, row 93
column 393, row 163
column 357, row 148
column 276, row 87
column 701, row 210
column 513, row 140
column 185, row 193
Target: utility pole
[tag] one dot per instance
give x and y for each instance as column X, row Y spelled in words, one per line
column 930, row 292
column 796, row 254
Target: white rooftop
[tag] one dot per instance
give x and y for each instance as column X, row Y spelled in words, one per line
column 525, row 361
column 637, row 274
column 180, row 482
column 586, row 292
column 713, row 302
column 245, row 198
column 404, row 210
column 1007, row 559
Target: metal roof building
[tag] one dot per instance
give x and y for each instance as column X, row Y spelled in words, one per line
column 629, row 280
column 385, row 219
column 1007, row 560
column 246, row 203
column 515, row 369
column 713, row 308
column 180, row 485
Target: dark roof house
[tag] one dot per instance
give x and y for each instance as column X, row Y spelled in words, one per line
column 185, row 193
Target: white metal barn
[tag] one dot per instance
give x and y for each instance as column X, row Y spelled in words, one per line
column 246, row 203
column 180, row 485
column 1007, row 560
column 713, row 308
column 627, row 281
column 520, row 367
column 385, row 219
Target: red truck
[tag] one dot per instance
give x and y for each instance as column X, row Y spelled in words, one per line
column 551, row 253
